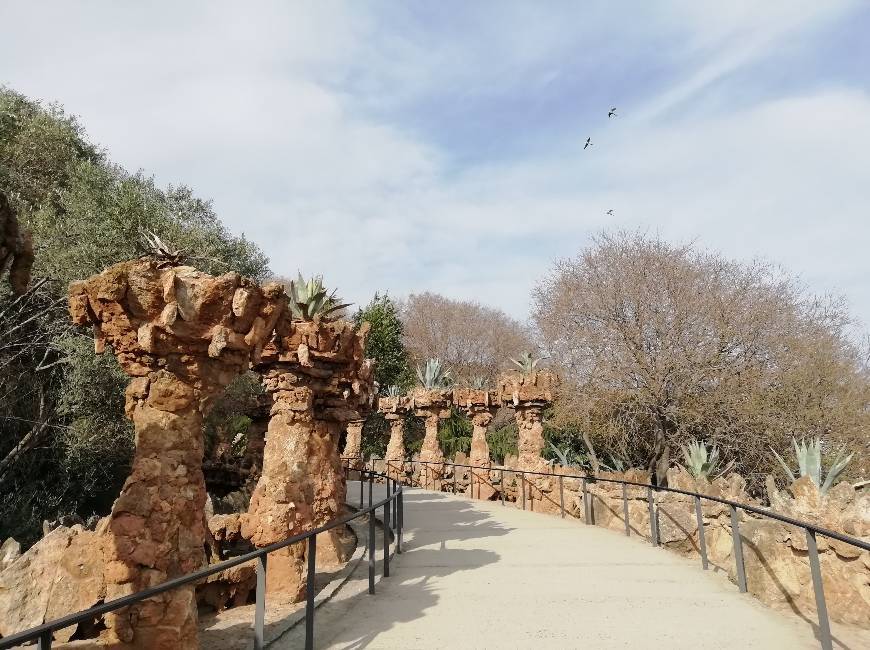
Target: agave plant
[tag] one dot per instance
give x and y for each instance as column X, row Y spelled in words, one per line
column 165, row 254
column 615, row 464
column 433, row 375
column 478, row 383
column 809, row 458
column 393, row 391
column 526, row 363
column 702, row 462
column 310, row 299
column 562, row 455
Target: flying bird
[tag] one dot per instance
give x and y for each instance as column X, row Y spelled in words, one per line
column 588, row 143
column 612, row 112
column 610, row 212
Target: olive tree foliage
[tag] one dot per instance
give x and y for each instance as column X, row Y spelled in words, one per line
column 659, row 344
column 64, row 441
column 472, row 340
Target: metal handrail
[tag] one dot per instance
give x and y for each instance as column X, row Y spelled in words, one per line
column 43, row 633
column 810, row 529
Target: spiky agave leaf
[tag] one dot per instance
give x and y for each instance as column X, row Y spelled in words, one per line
column 478, row 383
column 809, row 459
column 703, row 463
column 309, row 299
column 393, row 391
column 836, row 469
column 526, row 363
column 433, row 375
column 561, row 455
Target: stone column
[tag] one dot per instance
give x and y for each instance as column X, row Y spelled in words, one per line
column 481, row 484
column 319, row 380
column 530, row 394
column 183, row 336
column 432, row 405
column 395, row 409
column 480, row 406
column 352, row 453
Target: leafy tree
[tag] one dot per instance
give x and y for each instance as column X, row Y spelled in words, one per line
column 64, row 441
column 385, row 344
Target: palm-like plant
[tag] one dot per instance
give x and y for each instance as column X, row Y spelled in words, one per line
column 526, row 363
column 809, row 458
column 702, row 462
column 309, row 299
column 433, row 375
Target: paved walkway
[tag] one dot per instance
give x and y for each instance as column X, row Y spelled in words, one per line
column 479, row 575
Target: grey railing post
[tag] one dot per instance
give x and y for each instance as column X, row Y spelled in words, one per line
column 625, row 509
column 502, row 486
column 562, row 496
column 361, row 496
column 44, row 642
column 586, row 516
column 309, row 593
column 702, row 538
column 260, row 606
column 523, row 486
column 401, row 519
column 819, row 588
column 371, row 551
column 371, row 480
column 387, row 538
column 454, row 477
column 738, row 551
column 653, row 533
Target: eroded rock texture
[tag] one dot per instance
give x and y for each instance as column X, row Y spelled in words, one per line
column 182, row 336
column 432, row 405
column 529, row 394
column 395, row 410
column 352, row 453
column 480, row 406
column 319, row 380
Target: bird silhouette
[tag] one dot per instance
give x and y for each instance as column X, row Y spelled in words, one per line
column 610, row 212
column 588, row 143
column 612, row 112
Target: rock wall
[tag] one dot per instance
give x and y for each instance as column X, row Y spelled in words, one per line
column 775, row 554
column 182, row 336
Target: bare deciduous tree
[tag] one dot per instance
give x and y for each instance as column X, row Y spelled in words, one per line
column 473, row 340
column 661, row 343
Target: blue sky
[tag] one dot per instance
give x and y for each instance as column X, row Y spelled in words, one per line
column 438, row 145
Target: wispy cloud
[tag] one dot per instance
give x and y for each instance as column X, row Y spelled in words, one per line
column 428, row 147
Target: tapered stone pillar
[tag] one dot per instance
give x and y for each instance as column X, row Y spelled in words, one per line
column 352, row 454
column 480, row 406
column 183, row 336
column 530, row 394
column 395, row 410
column 432, row 405
column 319, row 380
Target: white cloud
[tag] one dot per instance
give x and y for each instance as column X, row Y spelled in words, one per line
column 299, row 122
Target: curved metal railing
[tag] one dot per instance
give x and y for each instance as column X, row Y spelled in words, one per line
column 811, row 530
column 394, row 502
